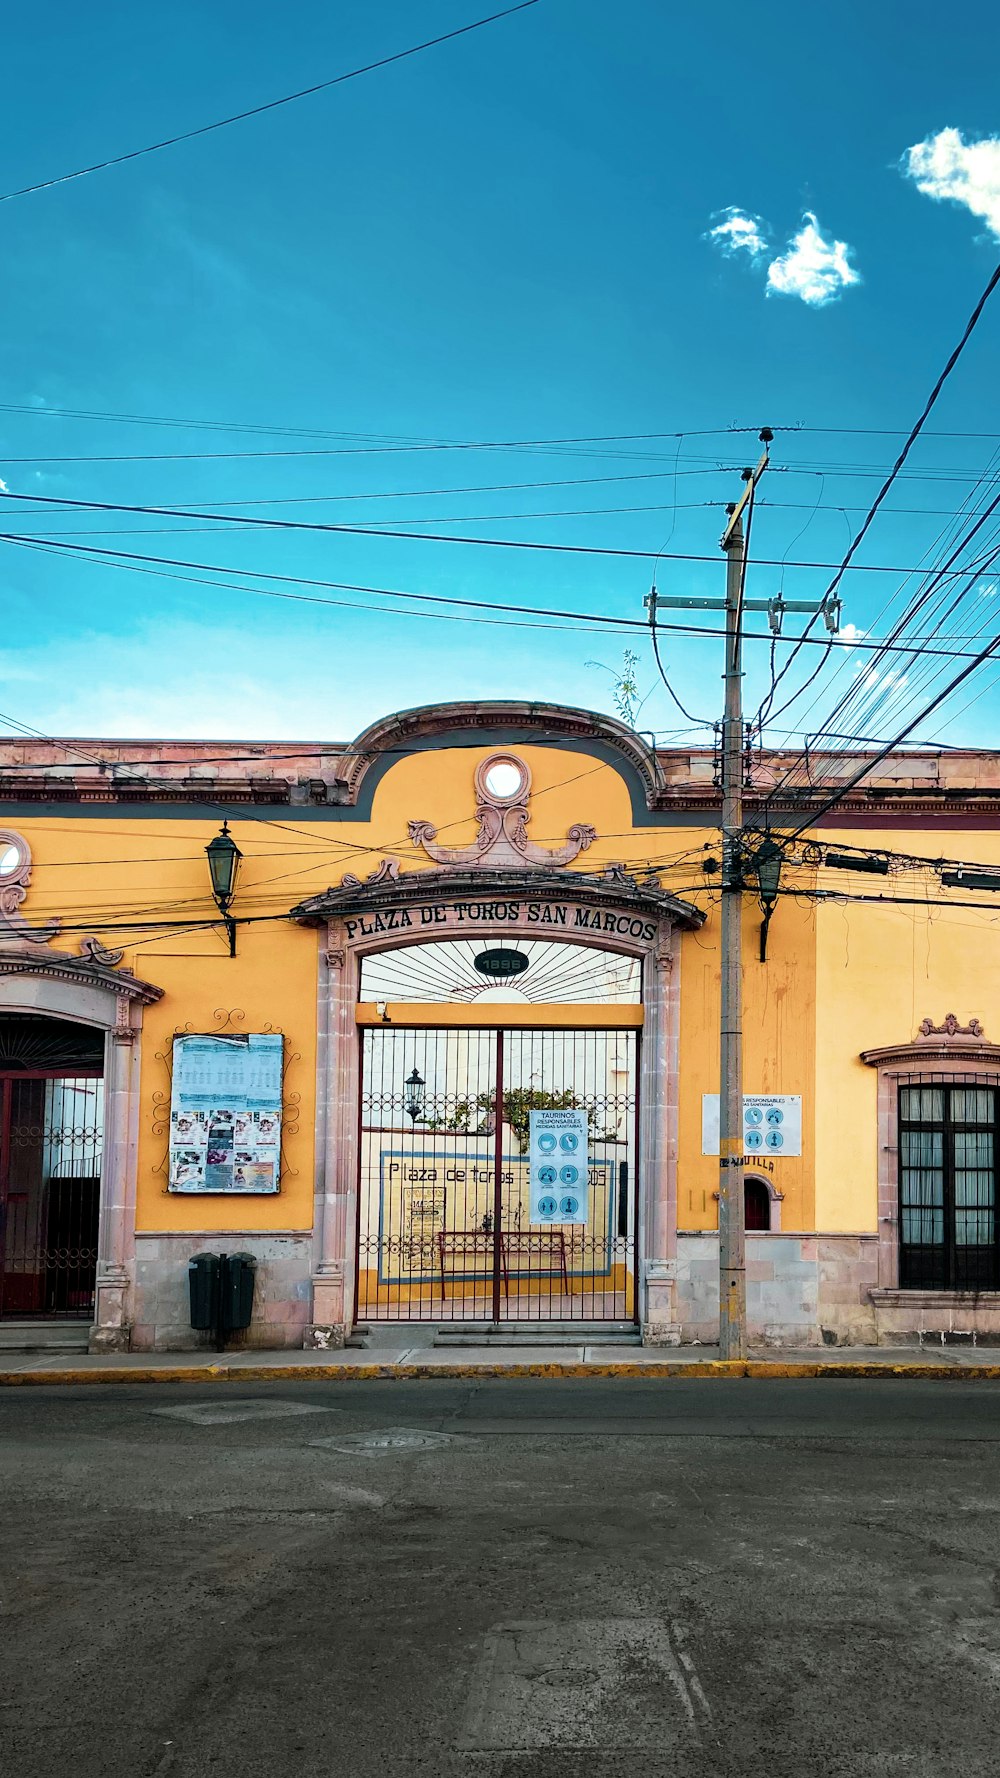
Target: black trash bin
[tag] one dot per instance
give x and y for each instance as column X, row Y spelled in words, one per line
column 203, row 1284
column 238, row 1279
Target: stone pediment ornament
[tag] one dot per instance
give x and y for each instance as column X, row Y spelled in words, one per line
column 503, row 785
column 386, row 871
column 15, row 875
column 949, row 1043
column 951, row 1028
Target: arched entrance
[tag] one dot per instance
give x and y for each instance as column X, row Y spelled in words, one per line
column 594, row 1030
column 69, row 1090
column 51, row 1146
column 451, row 1222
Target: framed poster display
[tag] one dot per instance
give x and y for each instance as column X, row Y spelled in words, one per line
column 225, row 1114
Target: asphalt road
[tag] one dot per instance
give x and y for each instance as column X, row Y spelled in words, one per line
column 504, row 1579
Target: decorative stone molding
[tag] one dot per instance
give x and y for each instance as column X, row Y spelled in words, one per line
column 421, row 727
column 951, row 1028
column 15, row 875
column 949, row 1042
column 385, row 901
column 77, row 972
column 503, row 818
column 385, row 872
column 93, row 949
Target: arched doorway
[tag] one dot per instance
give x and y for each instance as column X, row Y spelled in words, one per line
column 51, row 1147
column 70, row 1077
column 498, row 1040
column 756, row 1205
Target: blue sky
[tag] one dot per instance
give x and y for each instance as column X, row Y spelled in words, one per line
column 507, row 238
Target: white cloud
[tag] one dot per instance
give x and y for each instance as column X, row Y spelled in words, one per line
column 946, row 166
column 848, row 634
column 812, row 267
column 739, row 232
column 4, row 488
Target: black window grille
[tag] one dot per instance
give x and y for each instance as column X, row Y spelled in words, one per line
column 947, row 1185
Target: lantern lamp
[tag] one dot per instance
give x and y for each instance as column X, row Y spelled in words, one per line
column 224, row 858
column 766, row 865
column 414, row 1095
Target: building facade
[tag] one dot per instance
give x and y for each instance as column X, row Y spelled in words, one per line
column 461, row 1065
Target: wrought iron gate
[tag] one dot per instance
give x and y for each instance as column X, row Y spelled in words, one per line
column 51, row 1138
column 444, row 1229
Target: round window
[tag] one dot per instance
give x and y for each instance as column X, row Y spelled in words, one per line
column 505, row 778
column 13, row 856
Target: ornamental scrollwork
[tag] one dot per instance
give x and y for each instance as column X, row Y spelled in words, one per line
column 386, row 871
column 951, row 1028
column 503, row 787
column 15, row 875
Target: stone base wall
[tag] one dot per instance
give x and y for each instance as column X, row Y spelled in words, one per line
column 802, row 1290
column 160, row 1308
column 937, row 1317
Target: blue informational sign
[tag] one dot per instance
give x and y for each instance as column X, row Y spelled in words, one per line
column 772, row 1124
column 560, row 1167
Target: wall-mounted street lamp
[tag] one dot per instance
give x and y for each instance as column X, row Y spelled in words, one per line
column 414, row 1095
column 224, row 858
column 766, row 865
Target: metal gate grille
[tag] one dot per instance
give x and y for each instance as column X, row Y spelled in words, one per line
column 444, row 1230
column 51, row 1140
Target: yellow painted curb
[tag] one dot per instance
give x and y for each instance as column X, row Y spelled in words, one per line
column 350, row 1373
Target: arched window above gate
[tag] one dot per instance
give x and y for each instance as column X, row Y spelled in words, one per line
column 30, row 1042
column 525, row 970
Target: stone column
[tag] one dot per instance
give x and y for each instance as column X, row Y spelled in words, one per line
column 111, row 1330
column 335, row 1225
column 658, row 1100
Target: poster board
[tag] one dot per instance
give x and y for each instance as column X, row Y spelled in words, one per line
column 225, row 1114
column 772, row 1124
column 560, row 1172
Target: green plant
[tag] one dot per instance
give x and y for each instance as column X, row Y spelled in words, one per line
column 520, row 1102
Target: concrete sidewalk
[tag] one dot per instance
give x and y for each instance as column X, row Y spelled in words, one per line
column 410, row 1360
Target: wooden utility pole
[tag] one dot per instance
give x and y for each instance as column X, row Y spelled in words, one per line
column 732, row 1234
column 737, row 859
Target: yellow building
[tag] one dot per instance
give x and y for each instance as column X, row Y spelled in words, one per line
column 460, row 1067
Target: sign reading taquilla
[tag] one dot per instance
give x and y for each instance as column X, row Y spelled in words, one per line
column 567, row 916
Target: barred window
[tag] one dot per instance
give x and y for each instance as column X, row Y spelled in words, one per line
column 947, row 1187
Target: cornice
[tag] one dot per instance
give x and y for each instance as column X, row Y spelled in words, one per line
column 521, row 720
column 60, row 966
column 612, row 888
column 935, row 1050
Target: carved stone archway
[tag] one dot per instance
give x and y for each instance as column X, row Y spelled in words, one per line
column 613, row 912
column 89, row 992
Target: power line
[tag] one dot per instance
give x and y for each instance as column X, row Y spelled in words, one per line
column 90, row 414
column 935, row 580
column 911, row 439
column 575, row 481
column 305, row 92
column 869, row 765
column 119, row 418
column 312, row 525
column 131, row 562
